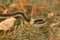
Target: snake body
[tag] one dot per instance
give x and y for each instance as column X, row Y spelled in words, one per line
column 15, row 14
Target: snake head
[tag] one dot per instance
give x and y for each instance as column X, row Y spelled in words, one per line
column 39, row 21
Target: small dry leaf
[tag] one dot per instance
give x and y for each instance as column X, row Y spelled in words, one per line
column 40, row 8
column 7, row 24
column 32, row 21
column 34, row 10
column 52, row 14
column 1, row 9
column 6, row 11
column 25, row 3
column 53, row 24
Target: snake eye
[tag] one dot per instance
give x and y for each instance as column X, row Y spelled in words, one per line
column 39, row 21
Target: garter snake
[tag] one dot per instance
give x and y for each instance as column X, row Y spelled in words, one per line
column 15, row 14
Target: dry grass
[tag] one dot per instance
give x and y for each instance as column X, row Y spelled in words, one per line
column 41, row 32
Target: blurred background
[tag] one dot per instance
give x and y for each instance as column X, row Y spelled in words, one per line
column 47, row 31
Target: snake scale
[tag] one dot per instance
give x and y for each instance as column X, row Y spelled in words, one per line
column 15, row 14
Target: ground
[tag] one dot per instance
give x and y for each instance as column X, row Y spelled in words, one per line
column 48, row 31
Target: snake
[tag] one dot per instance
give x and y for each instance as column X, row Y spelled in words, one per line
column 20, row 14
